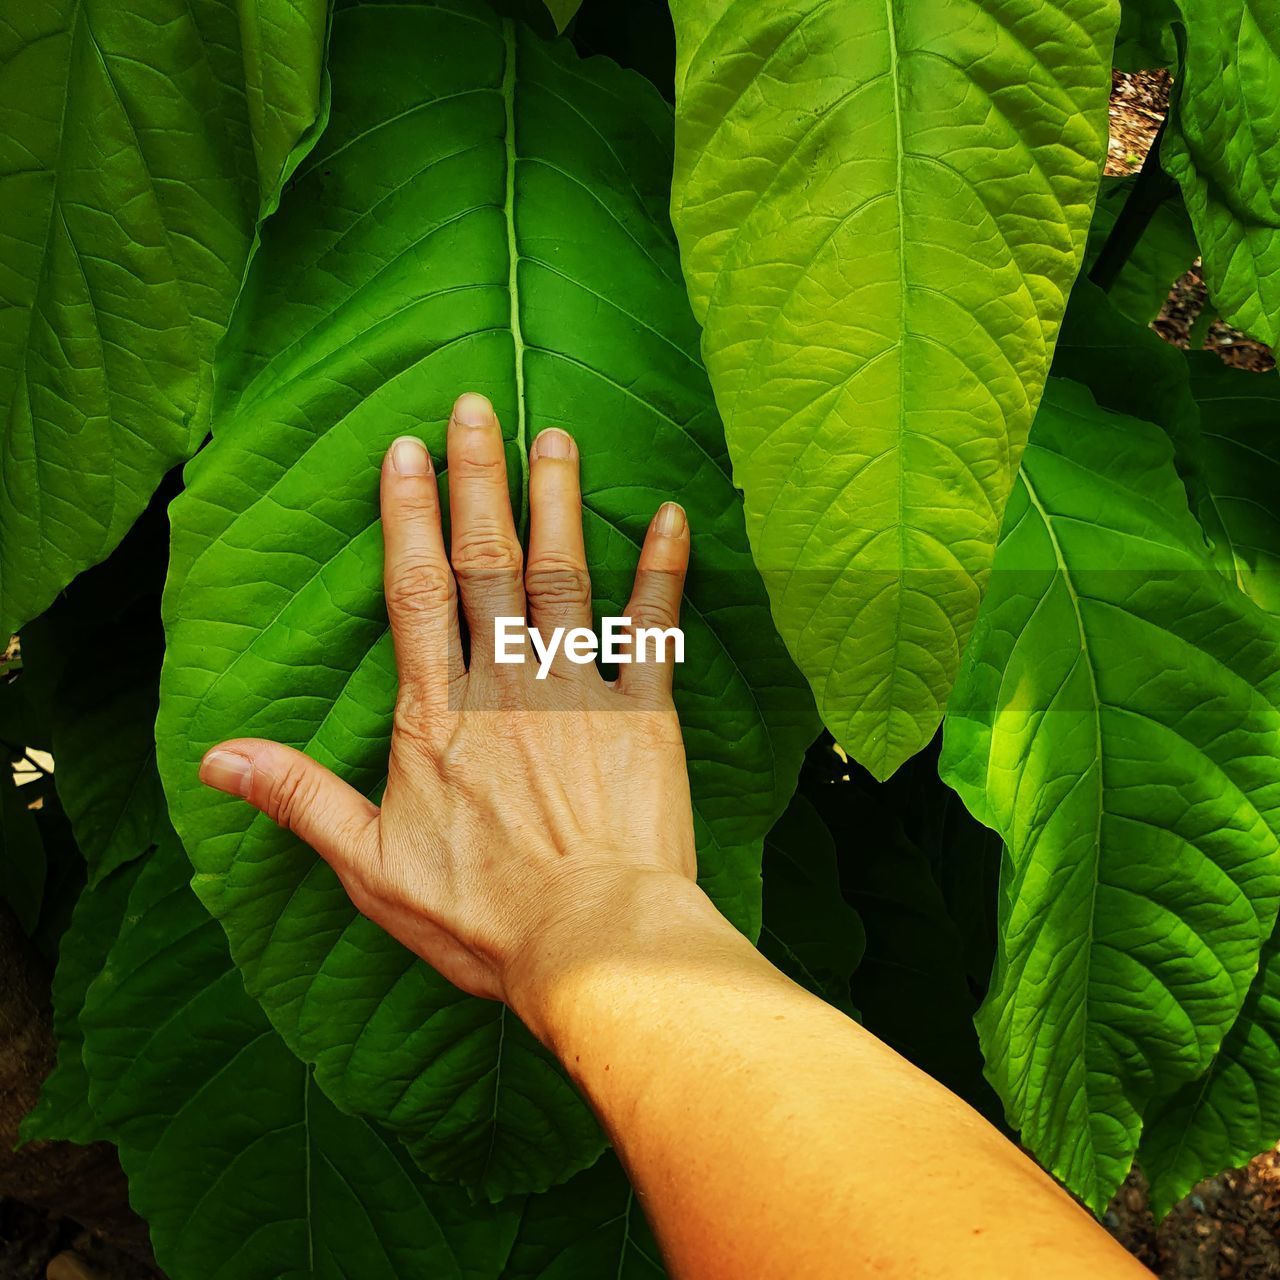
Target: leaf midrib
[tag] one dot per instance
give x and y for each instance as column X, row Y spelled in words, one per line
column 1034, row 498
column 513, row 263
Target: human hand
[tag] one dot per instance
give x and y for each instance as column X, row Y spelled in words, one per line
column 515, row 809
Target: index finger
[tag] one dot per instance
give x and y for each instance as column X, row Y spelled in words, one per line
column 422, row 602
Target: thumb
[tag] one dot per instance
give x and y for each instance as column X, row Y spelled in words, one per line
column 296, row 793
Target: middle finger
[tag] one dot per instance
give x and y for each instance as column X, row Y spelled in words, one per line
column 484, row 547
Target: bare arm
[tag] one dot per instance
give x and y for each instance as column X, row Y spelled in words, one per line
column 767, row 1135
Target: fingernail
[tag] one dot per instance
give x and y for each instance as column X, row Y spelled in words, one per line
column 553, row 443
column 410, row 457
column 227, row 771
column 472, row 410
column 670, row 521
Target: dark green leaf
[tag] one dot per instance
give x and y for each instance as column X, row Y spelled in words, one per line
column 911, row 986
column 131, row 142
column 1130, row 369
column 591, row 1226
column 809, row 932
column 1239, row 456
column 562, row 11
column 239, row 1164
column 63, row 1111
column 1145, row 39
column 484, row 211
column 1165, row 251
column 93, row 661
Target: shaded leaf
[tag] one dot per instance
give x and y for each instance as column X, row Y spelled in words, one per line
column 910, row 986
column 131, row 194
column 387, row 284
column 638, row 35
column 1117, row 723
column 93, row 661
column 591, row 1226
column 1165, row 251
column 1145, row 40
column 239, row 1164
column 1239, row 455
column 562, row 11
column 1130, row 369
column 809, row 932
column 881, row 209
column 63, row 1110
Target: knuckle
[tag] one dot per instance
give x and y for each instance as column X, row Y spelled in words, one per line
column 414, row 722
column 416, row 505
column 558, row 583
column 492, row 467
column 294, row 792
column 486, row 547
column 420, row 586
column 652, row 613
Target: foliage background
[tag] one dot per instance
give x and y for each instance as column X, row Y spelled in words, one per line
column 441, row 143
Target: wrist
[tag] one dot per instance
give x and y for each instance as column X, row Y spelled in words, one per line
column 616, row 926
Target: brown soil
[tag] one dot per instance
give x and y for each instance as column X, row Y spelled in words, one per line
column 1228, row 1228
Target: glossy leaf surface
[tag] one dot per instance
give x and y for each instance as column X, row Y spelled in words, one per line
column 493, row 219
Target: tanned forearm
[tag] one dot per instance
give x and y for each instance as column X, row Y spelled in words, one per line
column 734, row 1096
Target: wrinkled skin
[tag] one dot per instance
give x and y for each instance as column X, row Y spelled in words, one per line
column 476, row 867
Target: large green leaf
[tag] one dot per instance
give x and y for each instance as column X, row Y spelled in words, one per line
column 131, row 193
column 1117, row 722
column 484, row 211
column 881, row 209
column 1229, row 1115
column 1239, row 457
column 283, row 45
column 1220, row 146
column 239, row 1164
column 63, row 1110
